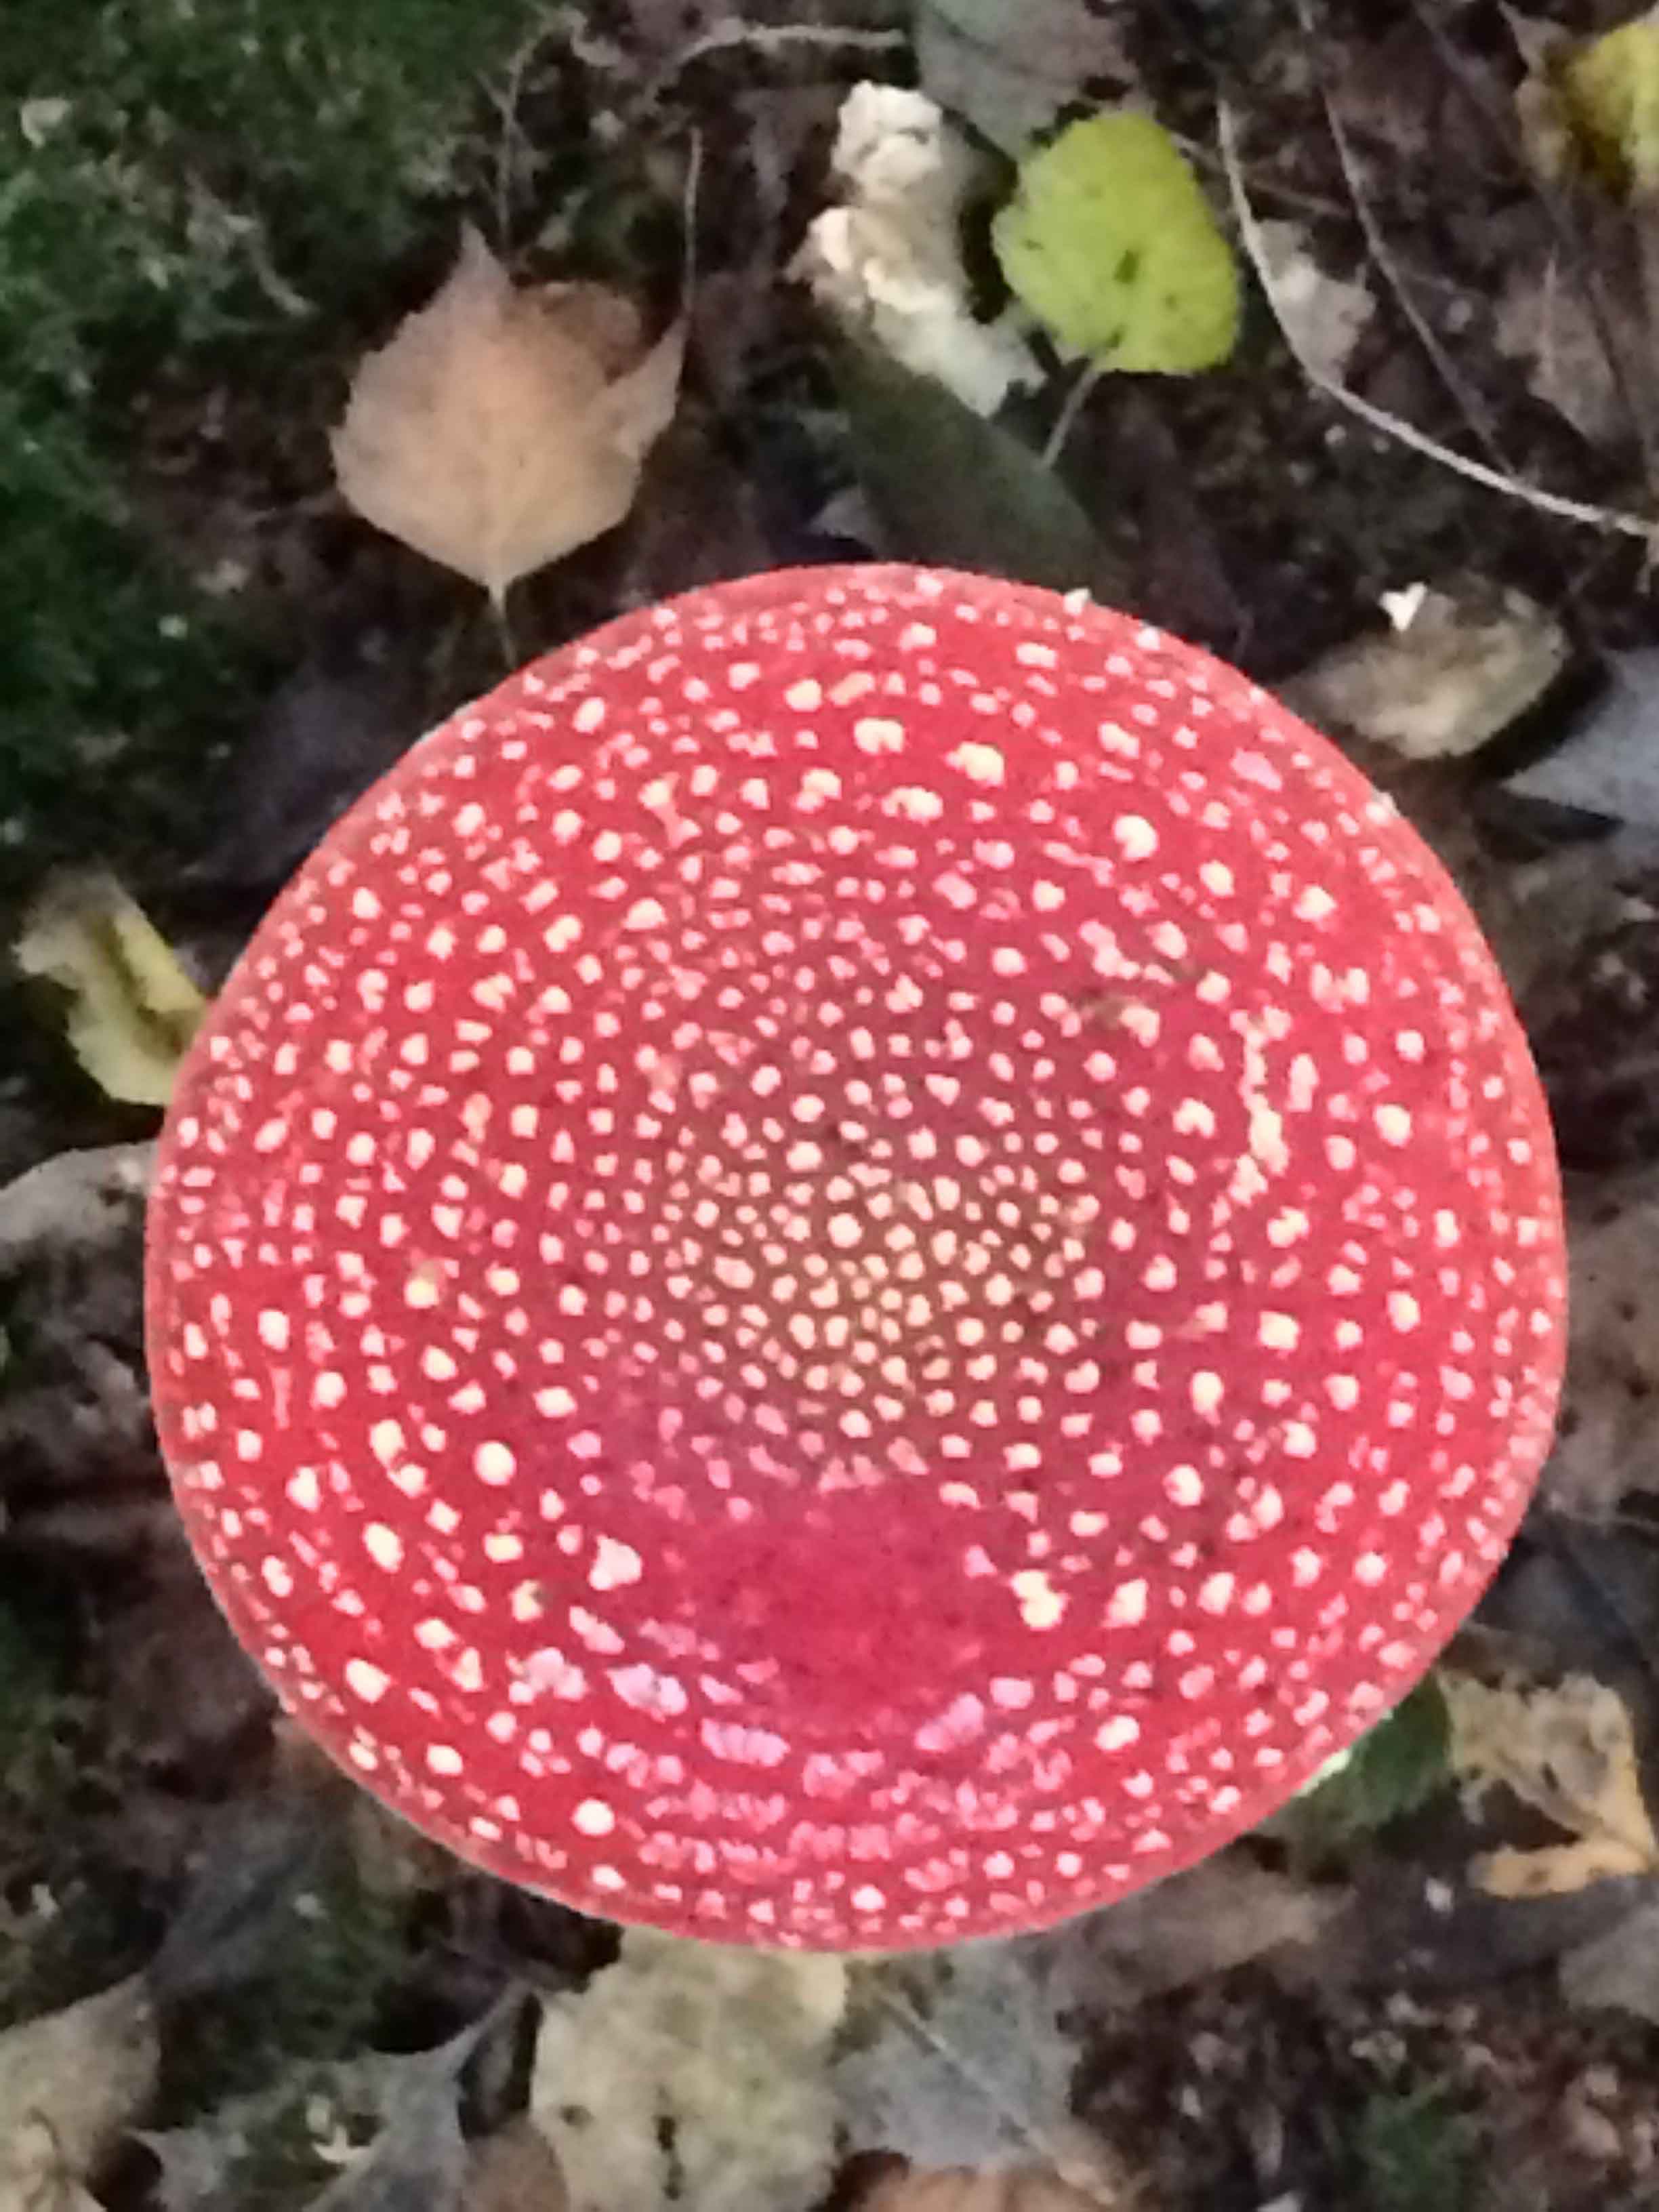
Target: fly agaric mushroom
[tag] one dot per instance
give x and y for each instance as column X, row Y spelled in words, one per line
column 859, row 1266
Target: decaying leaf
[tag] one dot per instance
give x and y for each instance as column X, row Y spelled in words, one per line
column 387, row 2126
column 500, row 428
column 693, row 2073
column 960, row 2189
column 960, row 2059
column 514, row 2170
column 887, row 263
column 1609, row 1443
column 1325, row 316
column 75, row 1202
column 947, row 486
column 1617, row 1969
column 1544, row 321
column 1010, row 71
column 1439, row 684
column 1569, row 1753
column 1219, row 1914
column 71, row 2081
column 132, row 1010
column 1546, row 136
column 418, row 2163
column 34, row 2178
column 1110, row 242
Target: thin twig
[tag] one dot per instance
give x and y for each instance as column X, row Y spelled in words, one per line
column 1076, row 400
column 1473, row 414
column 1378, row 418
column 511, row 136
column 1265, row 187
column 507, row 101
column 1569, row 240
column 688, row 224
column 765, row 39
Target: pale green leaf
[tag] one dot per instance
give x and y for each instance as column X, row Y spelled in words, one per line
column 131, row 1010
column 1110, row 243
column 1610, row 91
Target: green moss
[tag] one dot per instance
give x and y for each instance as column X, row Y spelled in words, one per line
column 39, row 1719
column 1414, row 2153
column 282, row 2164
column 191, row 192
column 70, row 1935
column 317, row 1998
column 1393, row 1770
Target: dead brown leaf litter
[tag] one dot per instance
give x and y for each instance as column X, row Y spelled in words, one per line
column 500, row 428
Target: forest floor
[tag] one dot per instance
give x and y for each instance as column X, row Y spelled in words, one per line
column 209, row 210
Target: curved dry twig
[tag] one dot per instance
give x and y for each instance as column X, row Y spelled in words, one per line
column 1614, row 519
column 1569, row 240
column 1467, row 403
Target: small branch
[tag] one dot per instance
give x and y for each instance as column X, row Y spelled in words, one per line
column 507, row 101
column 1265, row 187
column 1468, row 406
column 512, row 136
column 689, row 195
column 1077, row 400
column 1378, row 419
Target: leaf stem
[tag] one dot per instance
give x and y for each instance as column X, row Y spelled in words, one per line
column 504, row 637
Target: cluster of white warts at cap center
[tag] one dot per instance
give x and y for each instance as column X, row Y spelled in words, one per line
column 708, row 1128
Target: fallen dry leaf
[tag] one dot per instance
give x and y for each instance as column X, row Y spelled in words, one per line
column 1545, row 322
column 75, row 1202
column 962, row 2058
column 1011, row 70
column 1609, row 1443
column 1569, row 1753
column 960, row 2189
column 1324, row 315
column 500, row 428
column 70, row 2082
column 34, row 2178
column 407, row 2104
column 1458, row 671
column 132, row 1010
column 693, row 2073
column 1618, row 1970
column 1219, row 1914
column 1543, row 48
column 514, row 2170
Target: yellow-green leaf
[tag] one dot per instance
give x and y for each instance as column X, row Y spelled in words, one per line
column 1110, row 241
column 1610, row 91
column 131, row 1009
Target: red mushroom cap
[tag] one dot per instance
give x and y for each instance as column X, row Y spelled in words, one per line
column 857, row 1266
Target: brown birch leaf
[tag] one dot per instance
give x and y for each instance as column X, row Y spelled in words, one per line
column 500, row 427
